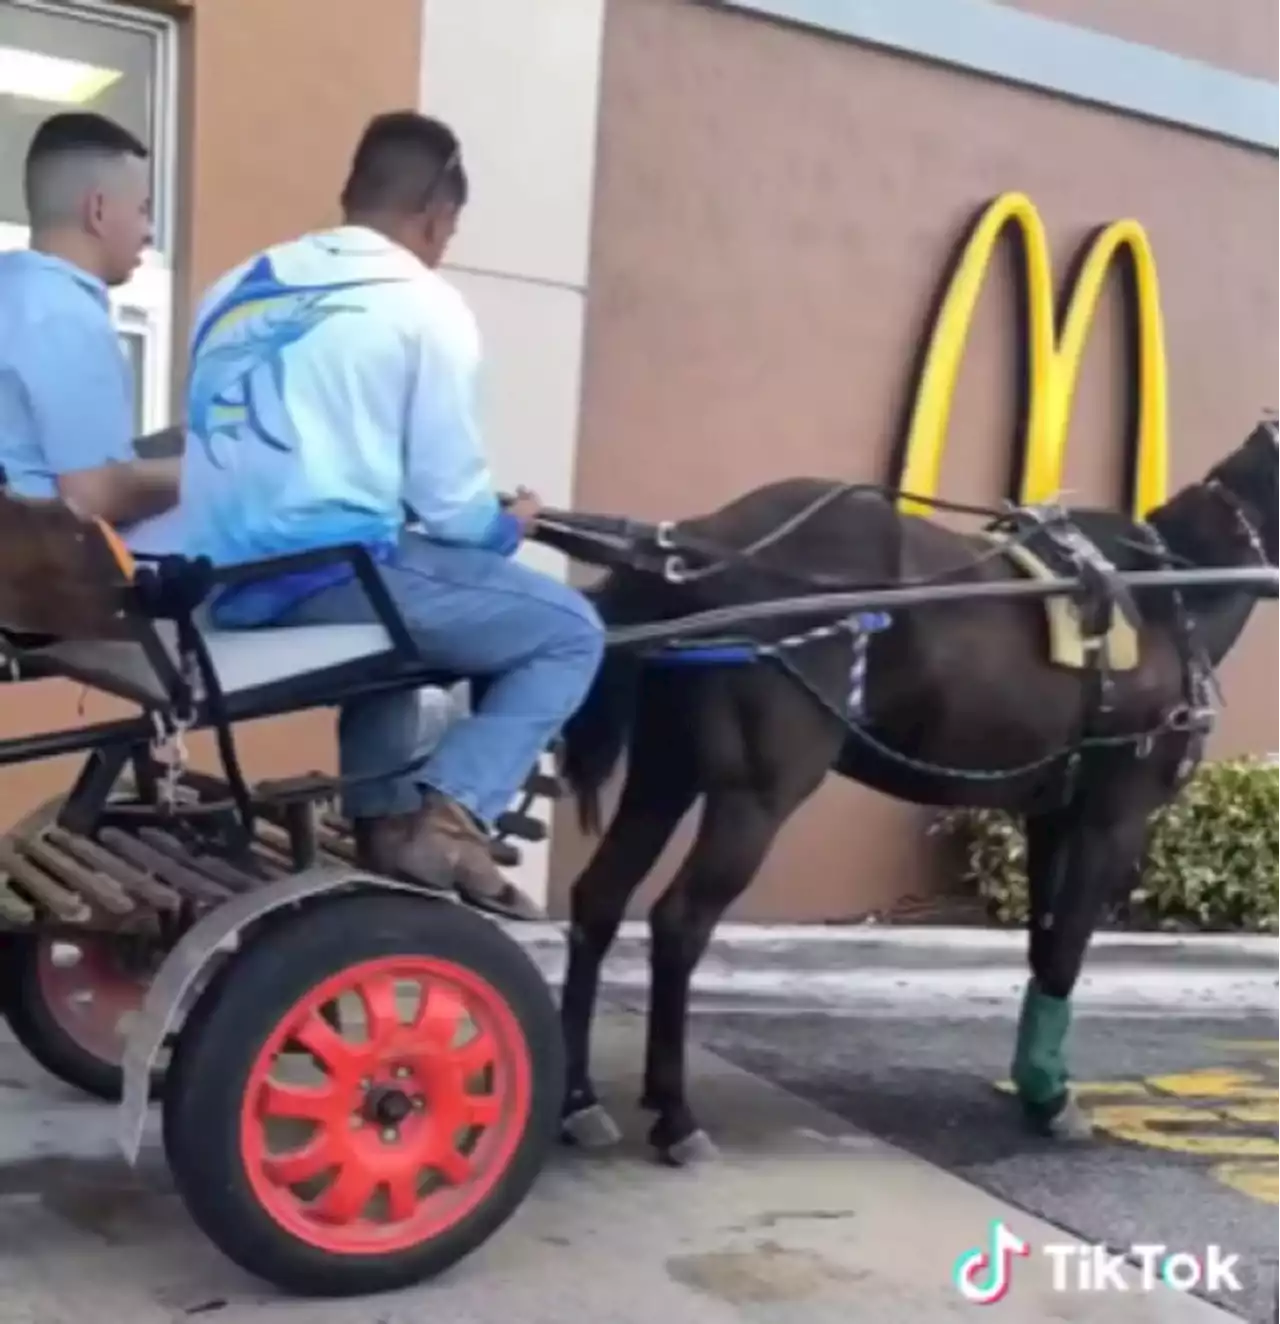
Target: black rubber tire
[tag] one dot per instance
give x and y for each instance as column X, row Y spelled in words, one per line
column 239, row 1011
column 24, row 1005
column 38, row 1030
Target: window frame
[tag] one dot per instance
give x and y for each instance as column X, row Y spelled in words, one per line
column 143, row 306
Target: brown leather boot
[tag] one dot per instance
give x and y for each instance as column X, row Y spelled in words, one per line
column 379, row 844
column 447, row 843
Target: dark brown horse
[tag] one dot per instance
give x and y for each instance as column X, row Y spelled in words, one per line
column 959, row 705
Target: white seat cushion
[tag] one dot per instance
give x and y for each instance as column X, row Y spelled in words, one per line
column 245, row 659
column 242, row 659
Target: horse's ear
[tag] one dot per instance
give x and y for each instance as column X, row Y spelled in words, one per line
column 1255, row 454
column 1267, row 430
column 1261, row 457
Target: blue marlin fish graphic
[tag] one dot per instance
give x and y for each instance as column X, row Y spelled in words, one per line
column 237, row 385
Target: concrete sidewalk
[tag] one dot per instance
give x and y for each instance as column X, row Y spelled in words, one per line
column 870, row 940
column 921, row 968
column 802, row 1218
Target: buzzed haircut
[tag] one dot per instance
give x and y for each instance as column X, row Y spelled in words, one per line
column 66, row 157
column 404, row 163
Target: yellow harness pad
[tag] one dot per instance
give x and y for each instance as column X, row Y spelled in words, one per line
column 1068, row 646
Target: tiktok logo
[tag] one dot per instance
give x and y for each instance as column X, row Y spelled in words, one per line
column 983, row 1276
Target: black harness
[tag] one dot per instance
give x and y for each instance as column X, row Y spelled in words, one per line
column 679, row 556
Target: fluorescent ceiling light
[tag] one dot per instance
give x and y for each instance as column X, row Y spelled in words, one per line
column 50, row 78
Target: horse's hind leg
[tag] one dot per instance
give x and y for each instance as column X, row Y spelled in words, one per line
column 658, row 792
column 738, row 827
column 1078, row 861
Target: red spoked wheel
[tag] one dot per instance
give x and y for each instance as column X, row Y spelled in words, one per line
column 364, row 1094
column 70, row 1002
column 418, row 1106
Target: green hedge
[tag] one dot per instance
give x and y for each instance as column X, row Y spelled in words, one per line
column 1211, row 859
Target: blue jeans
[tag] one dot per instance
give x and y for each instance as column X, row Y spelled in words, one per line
column 472, row 613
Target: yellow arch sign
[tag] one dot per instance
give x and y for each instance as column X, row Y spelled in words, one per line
column 1053, row 358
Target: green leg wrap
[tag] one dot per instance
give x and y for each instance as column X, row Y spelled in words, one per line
column 1039, row 1062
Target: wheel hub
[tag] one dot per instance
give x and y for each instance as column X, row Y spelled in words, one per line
column 387, row 1105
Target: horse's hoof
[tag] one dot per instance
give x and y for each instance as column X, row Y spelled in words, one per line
column 590, row 1128
column 1066, row 1122
column 1070, row 1123
column 695, row 1148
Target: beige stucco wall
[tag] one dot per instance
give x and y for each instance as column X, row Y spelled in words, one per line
column 519, row 83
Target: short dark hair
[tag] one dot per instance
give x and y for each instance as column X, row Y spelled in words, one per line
column 404, row 163
column 73, row 137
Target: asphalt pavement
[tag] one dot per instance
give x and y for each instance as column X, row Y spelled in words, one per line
column 1188, row 1156
column 907, row 1034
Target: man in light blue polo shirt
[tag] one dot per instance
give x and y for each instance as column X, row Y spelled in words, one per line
column 331, row 400
column 66, row 401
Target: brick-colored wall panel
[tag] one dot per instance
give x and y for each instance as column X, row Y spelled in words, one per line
column 774, row 211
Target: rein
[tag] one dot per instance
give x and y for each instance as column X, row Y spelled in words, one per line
column 665, row 548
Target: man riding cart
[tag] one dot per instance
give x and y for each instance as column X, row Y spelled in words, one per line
column 331, row 400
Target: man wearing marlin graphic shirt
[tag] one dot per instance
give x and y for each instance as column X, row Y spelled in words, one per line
column 330, row 400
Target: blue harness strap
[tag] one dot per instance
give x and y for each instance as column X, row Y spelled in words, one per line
column 709, row 655
column 745, row 652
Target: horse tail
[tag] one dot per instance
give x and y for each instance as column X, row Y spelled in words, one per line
column 595, row 737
